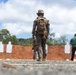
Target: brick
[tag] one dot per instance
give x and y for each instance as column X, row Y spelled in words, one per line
column 25, row 52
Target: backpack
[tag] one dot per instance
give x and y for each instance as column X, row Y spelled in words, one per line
column 41, row 25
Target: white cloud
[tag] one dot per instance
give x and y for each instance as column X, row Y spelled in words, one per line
column 17, row 16
column 17, row 28
column 62, row 20
column 15, row 10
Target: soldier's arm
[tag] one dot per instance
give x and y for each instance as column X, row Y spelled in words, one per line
column 34, row 29
column 48, row 26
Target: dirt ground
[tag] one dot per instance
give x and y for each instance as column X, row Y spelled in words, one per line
column 32, row 67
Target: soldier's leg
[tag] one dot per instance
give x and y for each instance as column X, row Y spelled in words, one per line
column 38, row 37
column 39, row 55
column 73, row 52
column 34, row 54
column 43, row 49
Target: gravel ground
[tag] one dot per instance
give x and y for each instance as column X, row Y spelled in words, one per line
column 32, row 67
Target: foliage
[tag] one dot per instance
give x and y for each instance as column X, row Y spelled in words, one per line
column 59, row 41
column 5, row 37
column 62, row 40
column 1, row 37
column 48, row 42
column 14, row 40
column 5, row 32
column 24, row 42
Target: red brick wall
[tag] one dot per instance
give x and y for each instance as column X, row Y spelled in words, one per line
column 25, row 52
column 1, row 55
column 55, row 53
column 22, row 52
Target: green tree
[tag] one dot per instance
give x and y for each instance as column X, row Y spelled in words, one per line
column 5, row 34
column 50, row 40
column 52, row 34
column 62, row 40
column 58, row 41
column 14, row 40
column 55, row 42
column 6, row 39
column 1, row 37
column 29, row 42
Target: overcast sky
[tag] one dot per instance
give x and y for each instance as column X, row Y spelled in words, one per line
column 18, row 15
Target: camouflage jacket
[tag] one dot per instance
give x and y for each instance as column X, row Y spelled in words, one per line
column 35, row 26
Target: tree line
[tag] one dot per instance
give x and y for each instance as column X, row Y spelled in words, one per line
column 5, row 37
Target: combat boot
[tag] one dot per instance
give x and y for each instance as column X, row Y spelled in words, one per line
column 44, row 59
column 34, row 57
column 39, row 59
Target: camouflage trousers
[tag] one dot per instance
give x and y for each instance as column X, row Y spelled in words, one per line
column 41, row 46
column 36, row 53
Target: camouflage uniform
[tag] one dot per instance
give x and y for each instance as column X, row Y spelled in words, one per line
column 35, row 50
column 40, row 37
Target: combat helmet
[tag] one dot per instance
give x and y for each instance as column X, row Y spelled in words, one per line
column 40, row 12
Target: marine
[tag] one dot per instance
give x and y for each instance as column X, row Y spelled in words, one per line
column 40, row 31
